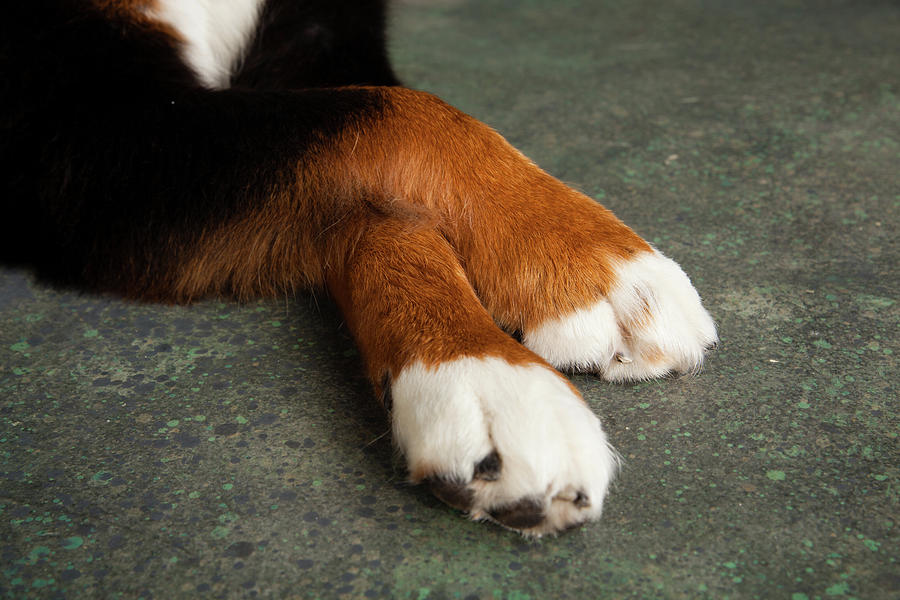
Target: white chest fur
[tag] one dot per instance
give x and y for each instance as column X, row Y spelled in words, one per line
column 215, row 33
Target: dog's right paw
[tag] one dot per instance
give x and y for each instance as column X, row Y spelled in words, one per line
column 650, row 323
column 514, row 444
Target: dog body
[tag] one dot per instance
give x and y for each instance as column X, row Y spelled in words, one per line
column 169, row 150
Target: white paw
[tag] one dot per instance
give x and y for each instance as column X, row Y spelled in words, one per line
column 512, row 444
column 651, row 323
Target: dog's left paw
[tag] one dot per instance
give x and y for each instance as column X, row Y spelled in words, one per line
column 651, row 323
column 514, row 444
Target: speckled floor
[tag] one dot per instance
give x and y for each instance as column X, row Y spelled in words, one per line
column 233, row 451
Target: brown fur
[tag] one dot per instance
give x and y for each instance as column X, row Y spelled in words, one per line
column 481, row 235
column 532, row 247
column 137, row 12
column 407, row 299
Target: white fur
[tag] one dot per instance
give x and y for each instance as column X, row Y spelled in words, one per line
column 650, row 323
column 581, row 340
column 215, row 33
column 448, row 418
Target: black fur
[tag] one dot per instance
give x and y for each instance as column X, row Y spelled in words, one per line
column 110, row 151
column 319, row 43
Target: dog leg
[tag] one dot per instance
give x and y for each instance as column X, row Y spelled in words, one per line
column 583, row 289
column 486, row 423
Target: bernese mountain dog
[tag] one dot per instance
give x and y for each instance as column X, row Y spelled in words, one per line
column 170, row 150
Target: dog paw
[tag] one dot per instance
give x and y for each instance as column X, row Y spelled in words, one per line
column 651, row 323
column 506, row 443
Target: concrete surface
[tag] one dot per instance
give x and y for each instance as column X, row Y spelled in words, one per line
column 234, row 451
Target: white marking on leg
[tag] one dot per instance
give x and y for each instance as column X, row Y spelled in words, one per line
column 581, row 340
column 552, row 448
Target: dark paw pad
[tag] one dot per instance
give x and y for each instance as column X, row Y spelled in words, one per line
column 454, row 493
column 524, row 514
column 489, row 467
column 581, row 500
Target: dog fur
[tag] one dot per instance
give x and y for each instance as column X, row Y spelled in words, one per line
column 169, row 150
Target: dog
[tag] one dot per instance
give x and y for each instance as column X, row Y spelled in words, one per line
column 169, row 150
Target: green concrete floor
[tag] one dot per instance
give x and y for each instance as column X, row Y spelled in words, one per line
column 234, row 451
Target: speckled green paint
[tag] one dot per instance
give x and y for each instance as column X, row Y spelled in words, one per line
column 72, row 543
column 776, row 475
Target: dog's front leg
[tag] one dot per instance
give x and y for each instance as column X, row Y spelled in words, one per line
column 491, row 427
